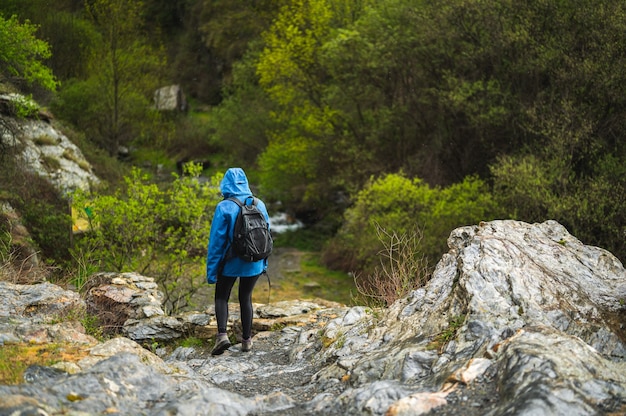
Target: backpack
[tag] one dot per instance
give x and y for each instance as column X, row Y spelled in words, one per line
column 252, row 240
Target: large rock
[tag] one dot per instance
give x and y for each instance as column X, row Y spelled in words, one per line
column 170, row 98
column 47, row 152
column 546, row 310
column 37, row 314
column 116, row 298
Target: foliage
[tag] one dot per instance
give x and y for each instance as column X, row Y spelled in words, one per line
column 63, row 27
column 112, row 104
column 592, row 208
column 400, row 205
column 42, row 209
column 442, row 339
column 8, row 258
column 303, row 165
column 307, row 239
column 402, row 269
column 437, row 90
column 22, row 54
column 240, row 124
column 530, row 94
column 158, row 232
column 49, row 225
column 72, row 38
column 229, row 26
column 191, row 342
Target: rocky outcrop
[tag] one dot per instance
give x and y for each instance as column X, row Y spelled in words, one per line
column 532, row 300
column 517, row 319
column 47, row 152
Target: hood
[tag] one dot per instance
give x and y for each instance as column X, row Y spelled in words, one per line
column 235, row 183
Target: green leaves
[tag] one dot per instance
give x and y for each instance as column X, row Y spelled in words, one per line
column 22, row 54
column 402, row 205
column 160, row 232
column 113, row 104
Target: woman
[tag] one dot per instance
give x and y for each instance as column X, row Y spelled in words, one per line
column 223, row 270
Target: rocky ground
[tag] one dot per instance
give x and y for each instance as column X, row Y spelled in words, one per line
column 270, row 370
column 511, row 354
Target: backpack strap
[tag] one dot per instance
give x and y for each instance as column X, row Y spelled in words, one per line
column 229, row 251
column 245, row 201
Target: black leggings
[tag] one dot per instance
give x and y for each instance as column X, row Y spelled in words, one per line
column 222, row 294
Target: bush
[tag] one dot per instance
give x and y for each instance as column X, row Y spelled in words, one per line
column 161, row 233
column 402, row 269
column 399, row 206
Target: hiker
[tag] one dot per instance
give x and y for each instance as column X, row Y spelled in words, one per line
column 223, row 268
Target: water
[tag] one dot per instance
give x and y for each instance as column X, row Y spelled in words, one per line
column 282, row 222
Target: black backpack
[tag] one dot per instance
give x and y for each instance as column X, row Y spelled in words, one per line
column 252, row 240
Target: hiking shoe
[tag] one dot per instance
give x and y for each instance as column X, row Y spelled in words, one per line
column 246, row 345
column 222, row 343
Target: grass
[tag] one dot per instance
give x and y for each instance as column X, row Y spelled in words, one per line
column 312, row 280
column 444, row 337
column 16, row 358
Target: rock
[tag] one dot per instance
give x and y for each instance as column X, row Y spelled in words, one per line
column 125, row 384
column 47, row 152
column 544, row 371
column 170, row 98
column 168, row 328
column 501, row 279
column 120, row 345
column 286, row 308
column 117, row 297
column 42, row 301
column 517, row 319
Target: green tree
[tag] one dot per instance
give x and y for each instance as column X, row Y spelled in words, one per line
column 304, row 163
column 592, row 207
column 22, row 57
column 62, row 25
column 242, row 122
column 126, row 68
column 113, row 105
column 22, row 54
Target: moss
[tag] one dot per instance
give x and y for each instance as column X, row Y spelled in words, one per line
column 16, row 358
column 45, row 140
column 51, row 163
column 448, row 334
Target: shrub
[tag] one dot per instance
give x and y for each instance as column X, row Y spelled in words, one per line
column 592, row 206
column 402, row 269
column 157, row 232
column 399, row 206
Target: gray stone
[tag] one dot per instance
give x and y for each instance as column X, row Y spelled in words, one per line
column 517, row 319
column 170, row 98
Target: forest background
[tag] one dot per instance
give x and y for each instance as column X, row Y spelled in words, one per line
column 380, row 125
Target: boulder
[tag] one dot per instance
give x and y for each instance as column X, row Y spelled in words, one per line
column 170, row 98
column 117, row 297
column 545, row 310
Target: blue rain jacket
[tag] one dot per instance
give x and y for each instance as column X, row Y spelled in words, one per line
column 234, row 184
